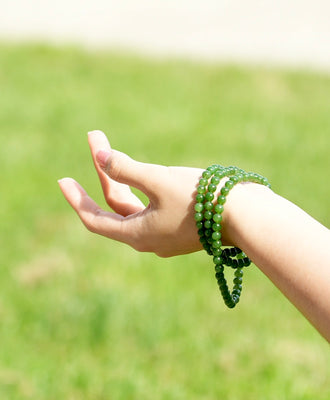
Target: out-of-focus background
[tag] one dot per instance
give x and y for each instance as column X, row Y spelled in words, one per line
column 175, row 82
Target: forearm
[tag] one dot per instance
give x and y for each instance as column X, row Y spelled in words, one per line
column 288, row 245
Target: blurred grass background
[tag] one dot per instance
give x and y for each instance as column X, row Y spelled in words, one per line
column 86, row 318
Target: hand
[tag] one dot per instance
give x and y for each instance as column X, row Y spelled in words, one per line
column 166, row 226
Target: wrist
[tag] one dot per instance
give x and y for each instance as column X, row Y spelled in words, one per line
column 239, row 200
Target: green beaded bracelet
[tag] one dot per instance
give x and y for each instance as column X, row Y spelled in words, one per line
column 208, row 217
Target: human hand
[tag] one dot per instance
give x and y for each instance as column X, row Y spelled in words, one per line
column 166, row 226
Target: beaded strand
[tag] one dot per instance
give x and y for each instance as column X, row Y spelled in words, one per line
column 208, row 217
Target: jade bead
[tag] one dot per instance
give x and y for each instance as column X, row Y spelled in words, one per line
column 198, row 216
column 217, row 244
column 206, row 174
column 203, row 182
column 238, row 280
column 217, row 252
column 199, row 225
column 238, row 273
column 211, row 168
column 208, row 224
column 247, row 262
column 200, row 198
column 217, row 218
column 209, row 196
column 208, row 205
column 229, row 184
column 201, row 189
column 234, row 179
column 199, row 207
column 221, row 199
column 224, row 191
column 217, row 260
column 240, row 263
column 208, row 215
column 208, row 232
column 215, row 180
column 218, row 208
column 216, row 235
column 216, row 227
column 212, row 188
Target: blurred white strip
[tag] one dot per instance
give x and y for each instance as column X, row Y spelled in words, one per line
column 284, row 32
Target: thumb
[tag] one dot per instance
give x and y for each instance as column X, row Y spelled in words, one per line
column 122, row 168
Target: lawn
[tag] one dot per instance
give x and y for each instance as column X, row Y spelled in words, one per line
column 86, row 318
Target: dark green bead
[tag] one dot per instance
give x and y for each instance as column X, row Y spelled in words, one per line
column 201, row 189
column 218, row 208
column 208, row 232
column 240, row 263
column 217, row 218
column 228, row 262
column 221, row 199
column 208, row 215
column 232, row 251
column 203, row 182
column 247, row 262
column 229, row 184
column 209, row 196
column 238, row 287
column 212, row 188
column 199, row 224
column 224, row 191
column 238, row 273
column 215, row 180
column 199, row 207
column 198, row 217
column 206, row 174
column 216, row 235
column 200, row 198
column 216, row 227
column 218, row 268
column 238, row 280
column 236, row 292
column 201, row 232
column 208, row 224
column 208, row 205
column 219, row 275
column 217, row 252
column 217, row 244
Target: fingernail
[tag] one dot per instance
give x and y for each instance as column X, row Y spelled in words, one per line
column 94, row 131
column 102, row 158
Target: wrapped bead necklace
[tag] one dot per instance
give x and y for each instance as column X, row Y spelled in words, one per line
column 208, row 217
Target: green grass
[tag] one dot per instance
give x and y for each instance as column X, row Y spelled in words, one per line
column 86, row 318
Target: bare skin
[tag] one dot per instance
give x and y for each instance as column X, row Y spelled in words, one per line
column 288, row 245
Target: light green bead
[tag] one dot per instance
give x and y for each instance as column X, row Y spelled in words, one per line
column 199, row 207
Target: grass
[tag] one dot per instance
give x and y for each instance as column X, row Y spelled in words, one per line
column 86, row 318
